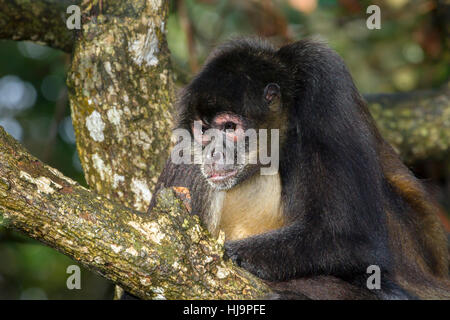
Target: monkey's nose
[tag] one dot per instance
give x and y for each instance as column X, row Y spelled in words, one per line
column 217, row 157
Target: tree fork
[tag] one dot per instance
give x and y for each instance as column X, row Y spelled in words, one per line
column 165, row 255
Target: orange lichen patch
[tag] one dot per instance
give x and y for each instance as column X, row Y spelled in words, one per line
column 33, row 167
column 184, row 195
column 182, row 190
column 87, row 216
column 66, row 189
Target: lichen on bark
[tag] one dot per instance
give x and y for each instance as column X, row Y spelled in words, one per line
column 417, row 124
column 165, row 255
column 121, row 96
column 42, row 21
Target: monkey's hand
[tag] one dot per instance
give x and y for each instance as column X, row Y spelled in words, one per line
column 241, row 252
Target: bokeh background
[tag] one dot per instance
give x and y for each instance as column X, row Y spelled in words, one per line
column 409, row 52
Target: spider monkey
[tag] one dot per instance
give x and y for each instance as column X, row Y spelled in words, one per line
column 341, row 199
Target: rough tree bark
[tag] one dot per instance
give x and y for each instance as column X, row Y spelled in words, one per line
column 166, row 255
column 417, row 123
column 42, row 21
column 121, row 96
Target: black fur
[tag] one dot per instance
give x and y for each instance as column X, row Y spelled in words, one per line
column 331, row 180
column 334, row 192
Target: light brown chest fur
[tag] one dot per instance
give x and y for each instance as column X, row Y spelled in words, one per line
column 251, row 208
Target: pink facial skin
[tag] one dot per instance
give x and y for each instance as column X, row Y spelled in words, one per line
column 230, row 123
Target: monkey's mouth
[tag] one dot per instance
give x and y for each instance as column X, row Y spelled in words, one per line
column 219, row 176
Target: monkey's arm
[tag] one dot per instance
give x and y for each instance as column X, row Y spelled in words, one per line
column 284, row 254
column 336, row 223
column 290, row 252
column 188, row 176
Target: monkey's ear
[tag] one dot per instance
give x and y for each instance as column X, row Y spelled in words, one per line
column 272, row 95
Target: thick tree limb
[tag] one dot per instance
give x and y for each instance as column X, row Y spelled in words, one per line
column 165, row 256
column 41, row 21
column 417, row 123
column 121, row 96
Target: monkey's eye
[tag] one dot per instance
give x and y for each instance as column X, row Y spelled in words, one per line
column 199, row 128
column 229, row 126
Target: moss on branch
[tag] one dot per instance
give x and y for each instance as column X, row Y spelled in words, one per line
column 121, row 95
column 40, row 21
column 417, row 124
column 166, row 255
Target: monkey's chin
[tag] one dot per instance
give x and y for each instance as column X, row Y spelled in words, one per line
column 223, row 181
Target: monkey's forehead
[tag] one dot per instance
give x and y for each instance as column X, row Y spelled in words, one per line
column 251, row 61
column 209, row 104
column 240, row 74
column 234, row 80
column 228, row 87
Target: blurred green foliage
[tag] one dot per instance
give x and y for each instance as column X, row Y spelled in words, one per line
column 409, row 52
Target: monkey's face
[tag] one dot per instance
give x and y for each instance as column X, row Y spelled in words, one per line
column 225, row 159
column 231, row 108
column 231, row 144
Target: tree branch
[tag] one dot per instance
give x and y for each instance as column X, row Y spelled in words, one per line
column 416, row 123
column 166, row 255
column 121, row 96
column 41, row 21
